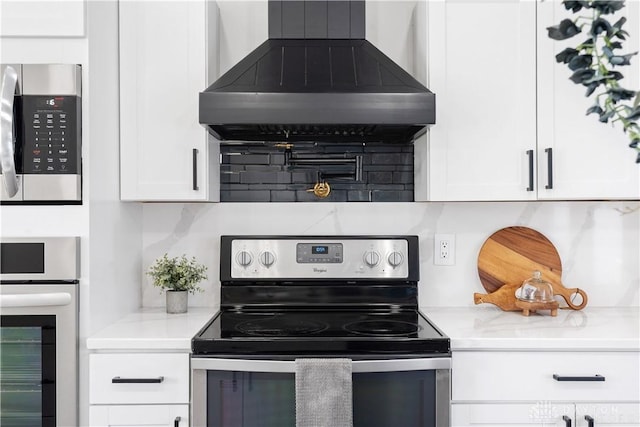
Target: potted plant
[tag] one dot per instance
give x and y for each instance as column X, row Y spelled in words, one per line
column 179, row 276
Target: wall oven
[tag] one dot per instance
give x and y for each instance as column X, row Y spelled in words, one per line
column 38, row 331
column 40, row 137
column 290, row 298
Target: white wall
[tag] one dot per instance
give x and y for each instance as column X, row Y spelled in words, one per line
column 598, row 242
column 115, row 234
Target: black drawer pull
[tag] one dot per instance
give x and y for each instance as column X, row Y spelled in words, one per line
column 176, row 422
column 589, row 421
column 563, row 378
column 567, row 421
column 119, row 380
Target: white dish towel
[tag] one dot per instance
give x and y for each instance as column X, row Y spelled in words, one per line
column 324, row 393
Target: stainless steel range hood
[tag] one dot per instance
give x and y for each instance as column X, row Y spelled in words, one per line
column 317, row 79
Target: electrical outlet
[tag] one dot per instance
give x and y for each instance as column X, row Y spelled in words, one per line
column 444, row 249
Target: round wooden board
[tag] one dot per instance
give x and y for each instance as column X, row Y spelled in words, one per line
column 512, row 254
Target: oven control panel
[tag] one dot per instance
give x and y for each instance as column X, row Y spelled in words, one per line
column 309, row 253
column 317, row 258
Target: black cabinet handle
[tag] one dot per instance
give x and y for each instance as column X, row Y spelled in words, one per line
column 593, row 378
column 567, row 421
column 195, row 169
column 119, row 380
column 176, row 422
column 549, row 152
column 530, row 154
column 589, row 421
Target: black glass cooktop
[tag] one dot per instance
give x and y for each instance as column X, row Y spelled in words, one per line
column 405, row 333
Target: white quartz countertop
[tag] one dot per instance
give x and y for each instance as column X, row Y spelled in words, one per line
column 482, row 327
column 486, row 327
column 152, row 329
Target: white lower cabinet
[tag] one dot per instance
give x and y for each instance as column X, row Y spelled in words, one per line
column 139, row 389
column 545, row 414
column 545, row 388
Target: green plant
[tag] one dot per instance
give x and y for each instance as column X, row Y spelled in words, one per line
column 595, row 62
column 177, row 273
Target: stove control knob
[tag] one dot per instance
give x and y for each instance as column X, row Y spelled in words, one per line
column 395, row 258
column 267, row 259
column 244, row 258
column 371, row 258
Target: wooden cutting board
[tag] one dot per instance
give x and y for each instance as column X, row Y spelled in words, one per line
column 510, row 256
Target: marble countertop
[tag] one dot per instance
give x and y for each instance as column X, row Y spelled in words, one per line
column 482, row 327
column 487, row 327
column 152, row 329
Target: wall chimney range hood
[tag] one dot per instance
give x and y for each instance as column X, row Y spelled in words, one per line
column 317, row 79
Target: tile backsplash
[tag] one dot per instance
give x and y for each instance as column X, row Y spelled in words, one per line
column 598, row 242
column 355, row 172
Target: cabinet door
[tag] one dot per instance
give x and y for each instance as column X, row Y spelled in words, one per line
column 608, row 414
column 507, row 414
column 38, row 18
column 545, row 413
column 163, row 148
column 139, row 415
column 590, row 160
column 481, row 61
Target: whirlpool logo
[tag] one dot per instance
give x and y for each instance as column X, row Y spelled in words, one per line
column 319, row 270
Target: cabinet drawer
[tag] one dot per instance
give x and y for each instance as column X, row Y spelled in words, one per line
column 138, row 378
column 527, row 376
column 139, row 415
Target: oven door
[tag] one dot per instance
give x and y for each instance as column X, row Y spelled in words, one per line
column 261, row 393
column 38, row 360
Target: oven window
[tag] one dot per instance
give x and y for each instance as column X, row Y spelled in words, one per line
column 381, row 399
column 27, row 371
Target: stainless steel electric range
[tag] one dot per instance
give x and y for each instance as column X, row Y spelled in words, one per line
column 290, row 297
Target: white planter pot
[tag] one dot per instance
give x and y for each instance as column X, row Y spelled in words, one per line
column 176, row 301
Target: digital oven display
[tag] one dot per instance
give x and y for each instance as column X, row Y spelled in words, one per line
column 319, row 250
column 326, row 253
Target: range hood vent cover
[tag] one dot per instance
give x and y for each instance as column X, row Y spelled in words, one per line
column 317, row 89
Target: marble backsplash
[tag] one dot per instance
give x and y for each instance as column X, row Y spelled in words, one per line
column 598, row 242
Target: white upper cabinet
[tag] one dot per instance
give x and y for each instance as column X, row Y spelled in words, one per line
column 505, row 107
column 590, row 160
column 481, row 60
column 164, row 152
column 41, row 18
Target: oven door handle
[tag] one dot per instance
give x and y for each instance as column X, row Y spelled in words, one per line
column 7, row 161
column 289, row 366
column 35, row 300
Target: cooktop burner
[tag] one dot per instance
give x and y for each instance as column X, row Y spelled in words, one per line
column 273, row 325
column 387, row 328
